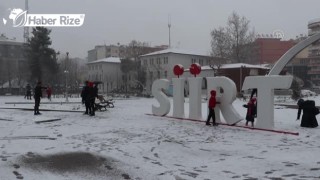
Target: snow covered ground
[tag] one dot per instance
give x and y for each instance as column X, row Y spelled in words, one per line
column 125, row 143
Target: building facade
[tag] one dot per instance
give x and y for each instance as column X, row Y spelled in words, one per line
column 104, row 51
column 269, row 50
column 239, row 71
column 314, row 53
column 300, row 66
column 13, row 65
column 122, row 51
column 160, row 64
column 107, row 71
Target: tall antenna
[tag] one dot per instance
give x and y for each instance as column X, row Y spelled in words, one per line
column 26, row 29
column 169, row 26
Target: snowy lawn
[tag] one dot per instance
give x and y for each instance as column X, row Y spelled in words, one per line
column 125, row 143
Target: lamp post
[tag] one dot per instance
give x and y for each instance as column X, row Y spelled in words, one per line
column 240, row 84
column 66, row 72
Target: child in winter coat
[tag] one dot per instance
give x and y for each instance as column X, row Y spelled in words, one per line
column 211, row 105
column 251, row 111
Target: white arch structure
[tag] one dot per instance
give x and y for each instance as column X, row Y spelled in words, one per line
column 286, row 58
column 266, row 84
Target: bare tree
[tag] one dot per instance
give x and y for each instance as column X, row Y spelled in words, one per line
column 132, row 52
column 220, row 43
column 136, row 49
column 241, row 36
column 235, row 41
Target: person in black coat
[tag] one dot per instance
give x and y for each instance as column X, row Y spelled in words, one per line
column 89, row 100
column 299, row 103
column 84, row 96
column 28, row 92
column 93, row 94
column 309, row 113
column 37, row 97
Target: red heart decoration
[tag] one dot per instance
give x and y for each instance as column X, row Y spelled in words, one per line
column 195, row 69
column 178, row 70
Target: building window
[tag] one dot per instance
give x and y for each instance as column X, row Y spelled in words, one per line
column 204, row 83
column 166, row 74
column 253, row 72
column 201, row 62
column 165, row 60
column 193, row 61
column 158, row 74
column 151, row 75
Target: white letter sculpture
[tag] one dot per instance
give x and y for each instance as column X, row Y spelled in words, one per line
column 178, row 97
column 265, row 86
column 229, row 113
column 195, row 110
column 157, row 87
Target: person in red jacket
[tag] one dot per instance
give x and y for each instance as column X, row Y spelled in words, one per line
column 211, row 106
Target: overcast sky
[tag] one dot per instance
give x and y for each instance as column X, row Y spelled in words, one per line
column 113, row 21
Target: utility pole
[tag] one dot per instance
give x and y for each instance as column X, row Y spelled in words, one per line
column 169, row 26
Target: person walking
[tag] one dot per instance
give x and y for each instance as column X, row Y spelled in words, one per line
column 49, row 92
column 251, row 111
column 37, row 97
column 28, row 92
column 300, row 105
column 90, row 99
column 85, row 96
column 211, row 105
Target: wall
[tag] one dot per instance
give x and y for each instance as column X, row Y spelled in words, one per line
column 168, row 61
column 269, row 50
column 109, row 73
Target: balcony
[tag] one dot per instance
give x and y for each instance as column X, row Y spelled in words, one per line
column 315, row 78
column 314, row 23
column 313, row 31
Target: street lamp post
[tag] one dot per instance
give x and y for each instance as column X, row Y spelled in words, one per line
column 241, row 77
column 240, row 84
column 66, row 72
column 66, row 93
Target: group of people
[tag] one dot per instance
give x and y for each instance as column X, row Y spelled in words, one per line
column 251, row 108
column 307, row 107
column 28, row 94
column 88, row 95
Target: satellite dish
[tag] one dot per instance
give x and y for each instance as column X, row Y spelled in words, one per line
column 278, row 34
